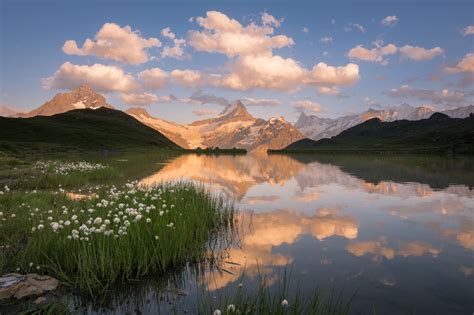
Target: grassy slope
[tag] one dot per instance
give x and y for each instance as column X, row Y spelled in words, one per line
column 83, row 130
column 439, row 134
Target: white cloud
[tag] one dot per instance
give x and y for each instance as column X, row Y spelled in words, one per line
column 305, row 30
column 250, row 101
column 373, row 55
column 420, row 53
column 208, row 99
column 154, row 78
column 140, row 99
column 100, row 77
column 443, row 96
column 227, row 36
column 116, row 43
column 307, row 105
column 468, row 30
column 351, row 26
column 465, row 65
column 390, row 20
column 326, row 40
column 175, row 51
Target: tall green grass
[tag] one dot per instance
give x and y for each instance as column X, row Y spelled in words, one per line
column 274, row 294
column 176, row 221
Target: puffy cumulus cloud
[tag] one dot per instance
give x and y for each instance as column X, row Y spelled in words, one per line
column 420, row 53
column 325, row 75
column 390, row 20
column 250, row 101
column 267, row 72
column 189, row 78
column 154, row 78
column 465, row 65
column 227, row 36
column 140, row 99
column 270, row 20
column 304, row 105
column 175, row 51
column 116, row 43
column 468, row 30
column 375, row 54
column 443, row 96
column 326, row 40
column 417, row 248
column 205, row 112
column 100, row 77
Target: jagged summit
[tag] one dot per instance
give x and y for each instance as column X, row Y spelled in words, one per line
column 236, row 109
column 79, row 98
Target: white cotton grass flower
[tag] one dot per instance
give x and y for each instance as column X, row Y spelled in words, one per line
column 284, row 303
column 217, row 312
column 231, row 308
column 148, row 220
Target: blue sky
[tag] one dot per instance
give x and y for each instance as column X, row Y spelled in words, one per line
column 420, row 55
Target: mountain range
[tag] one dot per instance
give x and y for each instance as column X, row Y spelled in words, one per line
column 438, row 133
column 234, row 126
column 316, row 128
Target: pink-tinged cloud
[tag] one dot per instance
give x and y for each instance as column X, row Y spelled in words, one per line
column 100, row 77
column 154, row 78
column 177, row 50
column 443, row 96
column 205, row 112
column 221, row 34
column 250, row 101
column 116, row 43
column 189, row 78
column 420, row 53
column 373, row 55
column 390, row 20
column 306, row 105
column 465, row 65
column 139, row 99
column 468, row 30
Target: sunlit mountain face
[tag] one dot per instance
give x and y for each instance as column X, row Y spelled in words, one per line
column 379, row 225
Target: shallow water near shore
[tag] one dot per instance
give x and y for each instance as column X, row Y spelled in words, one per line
column 397, row 232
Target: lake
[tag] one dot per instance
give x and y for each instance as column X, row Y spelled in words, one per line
column 394, row 232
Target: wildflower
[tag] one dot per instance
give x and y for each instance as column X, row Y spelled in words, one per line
column 241, row 285
column 38, row 267
column 231, row 308
column 157, row 237
column 54, row 226
column 138, row 217
column 6, row 188
column 31, row 264
column 74, row 217
column 98, row 220
column 217, row 312
column 117, row 220
column 67, row 223
column 148, row 220
column 106, row 221
column 40, row 226
column 13, row 215
column 1, row 213
column 170, row 225
column 284, row 303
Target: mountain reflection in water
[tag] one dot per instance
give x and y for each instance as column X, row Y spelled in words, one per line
column 399, row 230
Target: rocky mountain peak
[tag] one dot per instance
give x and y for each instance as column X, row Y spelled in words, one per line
column 236, row 109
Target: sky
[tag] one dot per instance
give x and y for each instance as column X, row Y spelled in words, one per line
column 184, row 60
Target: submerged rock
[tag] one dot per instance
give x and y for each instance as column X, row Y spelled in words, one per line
column 18, row 286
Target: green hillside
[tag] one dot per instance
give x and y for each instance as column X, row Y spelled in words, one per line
column 437, row 134
column 102, row 129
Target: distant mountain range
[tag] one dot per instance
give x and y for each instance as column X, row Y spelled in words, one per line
column 439, row 133
column 235, row 126
column 315, row 128
column 79, row 130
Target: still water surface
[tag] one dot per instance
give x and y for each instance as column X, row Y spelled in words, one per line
column 398, row 231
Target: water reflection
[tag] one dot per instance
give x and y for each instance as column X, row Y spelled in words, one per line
column 391, row 227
